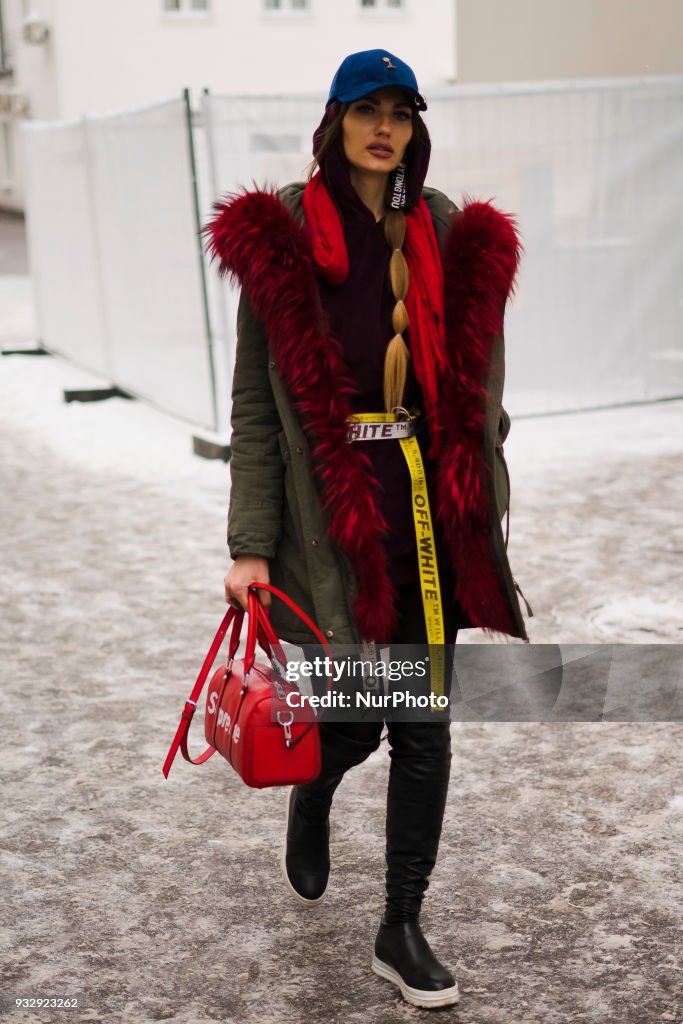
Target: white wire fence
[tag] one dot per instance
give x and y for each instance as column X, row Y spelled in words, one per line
column 591, row 170
column 113, row 250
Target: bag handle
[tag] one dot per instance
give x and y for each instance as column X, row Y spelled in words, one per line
column 268, row 637
column 257, row 617
column 276, row 650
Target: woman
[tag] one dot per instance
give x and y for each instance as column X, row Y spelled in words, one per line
column 365, row 292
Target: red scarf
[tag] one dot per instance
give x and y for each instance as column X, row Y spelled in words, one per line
column 425, row 299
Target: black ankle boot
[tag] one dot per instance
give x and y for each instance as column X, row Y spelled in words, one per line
column 403, row 956
column 416, row 801
column 306, row 858
column 306, row 855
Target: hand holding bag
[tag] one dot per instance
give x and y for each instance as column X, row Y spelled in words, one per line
column 247, row 719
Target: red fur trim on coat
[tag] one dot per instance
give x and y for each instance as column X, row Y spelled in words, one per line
column 260, row 245
column 480, row 263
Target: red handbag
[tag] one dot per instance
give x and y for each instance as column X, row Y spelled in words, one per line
column 247, row 718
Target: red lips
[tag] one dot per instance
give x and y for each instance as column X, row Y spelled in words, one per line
column 379, row 148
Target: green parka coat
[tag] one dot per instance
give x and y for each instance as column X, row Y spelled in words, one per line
column 279, row 506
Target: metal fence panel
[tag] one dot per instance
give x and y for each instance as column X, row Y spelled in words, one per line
column 129, row 253
column 592, row 172
column 62, row 246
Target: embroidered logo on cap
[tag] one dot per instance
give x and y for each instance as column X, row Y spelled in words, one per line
column 387, row 61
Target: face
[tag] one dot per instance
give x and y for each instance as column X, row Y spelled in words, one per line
column 377, row 129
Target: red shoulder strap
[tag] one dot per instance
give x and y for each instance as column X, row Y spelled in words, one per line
column 180, row 738
column 259, row 628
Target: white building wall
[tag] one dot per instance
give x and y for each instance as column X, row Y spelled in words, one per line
column 29, row 91
column 105, row 55
column 129, row 52
column 33, row 64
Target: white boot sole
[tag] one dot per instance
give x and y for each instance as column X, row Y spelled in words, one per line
column 416, row 996
column 283, row 865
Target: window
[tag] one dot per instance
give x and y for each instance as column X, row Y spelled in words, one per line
column 186, row 6
column 6, row 155
column 287, row 6
column 382, row 5
column 261, row 142
column 3, row 53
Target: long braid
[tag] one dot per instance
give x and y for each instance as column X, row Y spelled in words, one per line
column 397, row 354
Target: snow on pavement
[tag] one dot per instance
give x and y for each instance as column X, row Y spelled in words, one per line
column 553, row 894
column 596, row 534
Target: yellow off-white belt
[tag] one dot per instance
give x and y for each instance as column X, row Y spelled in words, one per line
column 375, row 424
column 376, row 429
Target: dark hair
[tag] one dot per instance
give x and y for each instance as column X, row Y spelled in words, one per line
column 397, row 354
column 328, row 135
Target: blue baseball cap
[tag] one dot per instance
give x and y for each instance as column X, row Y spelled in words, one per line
column 363, row 72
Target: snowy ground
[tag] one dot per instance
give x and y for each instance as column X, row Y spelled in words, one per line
column 555, row 896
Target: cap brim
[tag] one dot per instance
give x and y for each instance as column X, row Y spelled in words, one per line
column 357, row 94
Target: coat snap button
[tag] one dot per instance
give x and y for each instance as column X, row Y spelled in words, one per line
column 315, row 542
column 299, row 451
column 272, row 364
column 329, row 632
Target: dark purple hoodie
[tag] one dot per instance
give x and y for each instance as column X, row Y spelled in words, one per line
column 359, row 314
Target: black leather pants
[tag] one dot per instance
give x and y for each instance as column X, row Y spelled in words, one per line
column 420, row 754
